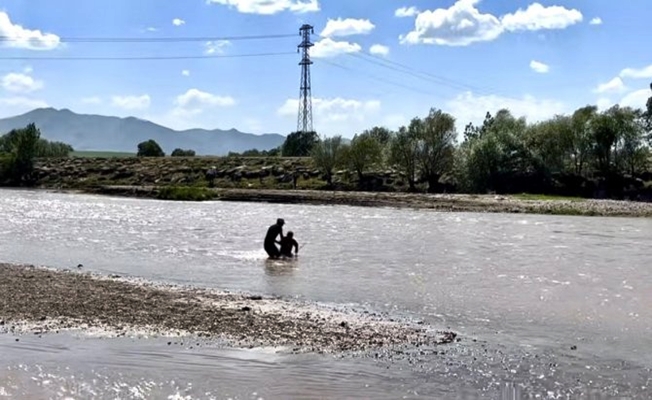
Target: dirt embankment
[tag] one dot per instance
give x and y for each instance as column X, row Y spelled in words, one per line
column 269, row 179
column 83, row 172
column 40, row 300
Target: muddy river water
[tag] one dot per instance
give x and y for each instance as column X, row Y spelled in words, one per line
column 546, row 306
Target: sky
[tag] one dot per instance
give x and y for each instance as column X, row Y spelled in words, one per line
column 234, row 63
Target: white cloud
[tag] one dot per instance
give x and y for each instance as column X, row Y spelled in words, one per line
column 463, row 24
column 330, row 48
column 537, row 17
column 406, row 12
column 636, row 99
column 394, row 121
column 91, row 100
column 459, row 25
column 23, row 38
column 195, row 101
column 347, row 27
column 192, row 104
column 131, row 102
column 596, row 21
column 151, row 29
column 185, row 72
column 20, row 83
column 539, row 67
column 178, row 22
column 468, row 107
column 614, row 85
column 637, row 73
column 336, row 115
column 216, row 47
column 269, row 7
column 379, row 49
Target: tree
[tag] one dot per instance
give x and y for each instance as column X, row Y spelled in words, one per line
column 275, row 152
column 150, row 148
column 381, row 134
column 630, row 153
column 21, row 145
column 648, row 118
column 551, row 142
column 364, row 151
column 582, row 137
column 496, row 154
column 328, row 154
column 472, row 132
column 299, row 144
column 436, row 144
column 612, row 129
column 403, row 153
column 182, row 153
column 47, row 149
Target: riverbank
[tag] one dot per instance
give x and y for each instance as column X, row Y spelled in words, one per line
column 40, row 300
column 437, row 202
column 291, row 181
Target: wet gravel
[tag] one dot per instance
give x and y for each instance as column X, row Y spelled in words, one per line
column 43, row 300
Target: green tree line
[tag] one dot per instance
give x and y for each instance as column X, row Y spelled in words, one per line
column 504, row 154
column 19, row 148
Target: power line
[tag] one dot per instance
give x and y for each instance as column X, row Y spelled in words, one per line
column 374, row 77
column 423, row 75
column 155, row 40
column 131, row 58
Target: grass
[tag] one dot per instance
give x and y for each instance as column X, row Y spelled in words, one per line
column 186, row 193
column 101, row 154
column 545, row 197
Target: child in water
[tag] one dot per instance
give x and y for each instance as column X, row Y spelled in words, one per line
column 286, row 245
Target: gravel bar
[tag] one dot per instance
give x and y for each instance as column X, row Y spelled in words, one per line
column 41, row 300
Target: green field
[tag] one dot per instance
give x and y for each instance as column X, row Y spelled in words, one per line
column 104, row 154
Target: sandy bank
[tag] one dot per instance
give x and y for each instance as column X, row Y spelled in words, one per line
column 41, row 300
column 439, row 202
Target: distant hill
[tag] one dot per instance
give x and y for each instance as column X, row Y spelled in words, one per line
column 104, row 133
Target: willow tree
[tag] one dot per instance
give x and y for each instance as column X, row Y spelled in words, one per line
column 403, row 152
column 363, row 152
column 328, row 154
column 436, row 145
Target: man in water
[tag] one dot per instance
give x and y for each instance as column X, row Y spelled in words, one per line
column 270, row 238
column 287, row 243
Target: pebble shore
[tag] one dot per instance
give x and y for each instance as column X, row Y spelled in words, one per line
column 40, row 300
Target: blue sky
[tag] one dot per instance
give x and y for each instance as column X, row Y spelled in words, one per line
column 376, row 62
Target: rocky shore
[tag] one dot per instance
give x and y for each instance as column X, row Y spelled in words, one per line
column 42, row 300
column 437, row 202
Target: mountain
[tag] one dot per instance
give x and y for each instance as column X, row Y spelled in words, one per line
column 104, row 133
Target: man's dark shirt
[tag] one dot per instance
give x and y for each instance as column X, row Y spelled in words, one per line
column 272, row 233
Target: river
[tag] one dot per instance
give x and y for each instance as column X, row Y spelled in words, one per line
column 551, row 306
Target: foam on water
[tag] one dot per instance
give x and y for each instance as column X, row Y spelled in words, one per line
column 23, row 381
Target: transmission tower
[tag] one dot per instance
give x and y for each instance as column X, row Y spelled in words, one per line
column 304, row 122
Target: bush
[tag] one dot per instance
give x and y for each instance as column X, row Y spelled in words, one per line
column 150, row 148
column 182, row 153
column 186, row 193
